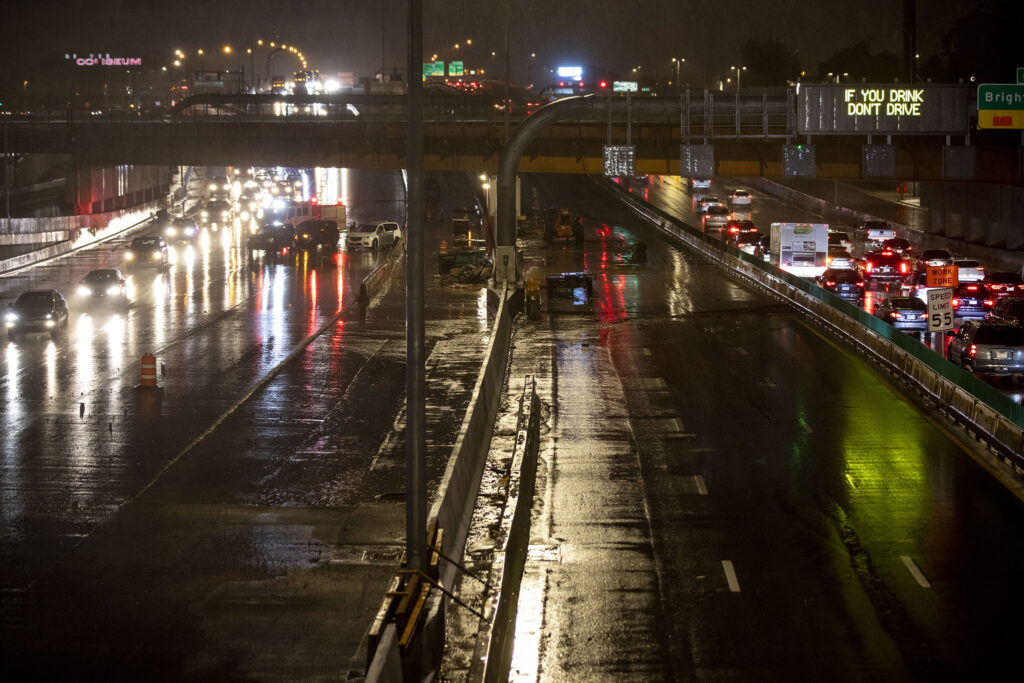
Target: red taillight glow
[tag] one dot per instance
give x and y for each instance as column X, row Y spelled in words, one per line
column 989, row 302
column 868, row 266
column 860, row 284
column 956, row 303
column 830, row 283
column 973, row 350
column 894, row 315
column 972, row 288
column 904, row 268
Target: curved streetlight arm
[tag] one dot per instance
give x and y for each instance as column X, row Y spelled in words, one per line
column 505, row 268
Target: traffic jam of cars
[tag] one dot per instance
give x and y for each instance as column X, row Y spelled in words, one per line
column 266, row 213
column 888, row 278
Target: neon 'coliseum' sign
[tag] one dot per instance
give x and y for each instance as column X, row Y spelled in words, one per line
column 103, row 60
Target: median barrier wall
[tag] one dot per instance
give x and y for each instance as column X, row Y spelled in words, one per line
column 989, row 414
column 452, row 509
column 496, row 635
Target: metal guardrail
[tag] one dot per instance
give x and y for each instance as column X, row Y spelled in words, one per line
column 994, row 418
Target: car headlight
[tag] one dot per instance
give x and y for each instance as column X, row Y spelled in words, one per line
column 204, row 214
column 50, row 323
column 213, row 186
column 190, row 231
column 111, row 291
column 171, row 232
column 223, row 214
column 84, row 291
column 128, row 255
column 157, row 255
column 11, row 316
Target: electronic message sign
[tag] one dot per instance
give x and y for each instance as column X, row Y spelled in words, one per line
column 894, row 109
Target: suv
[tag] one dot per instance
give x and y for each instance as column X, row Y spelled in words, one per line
column 43, row 310
column 373, row 235
column 1009, row 309
column 317, row 233
column 146, row 251
column 969, row 270
column 916, row 284
column 885, row 265
column 999, row 285
column 987, row 347
column 716, row 216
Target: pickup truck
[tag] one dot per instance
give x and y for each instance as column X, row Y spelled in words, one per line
column 373, row 235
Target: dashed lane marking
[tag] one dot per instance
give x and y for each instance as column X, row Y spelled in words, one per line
column 730, row 576
column 916, row 572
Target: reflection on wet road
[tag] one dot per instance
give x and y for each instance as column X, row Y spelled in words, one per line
column 729, row 494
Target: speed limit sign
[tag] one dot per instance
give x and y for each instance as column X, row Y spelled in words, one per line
column 940, row 309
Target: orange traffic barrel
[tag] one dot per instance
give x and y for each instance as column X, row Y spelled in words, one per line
column 444, row 247
column 148, row 379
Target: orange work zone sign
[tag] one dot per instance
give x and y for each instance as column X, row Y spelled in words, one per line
column 941, row 276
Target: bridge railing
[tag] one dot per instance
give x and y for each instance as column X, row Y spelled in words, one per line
column 700, row 115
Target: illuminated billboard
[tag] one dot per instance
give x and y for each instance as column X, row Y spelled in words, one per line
column 574, row 73
column 893, row 109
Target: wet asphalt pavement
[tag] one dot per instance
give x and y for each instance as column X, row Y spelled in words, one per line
column 726, row 494
column 242, row 522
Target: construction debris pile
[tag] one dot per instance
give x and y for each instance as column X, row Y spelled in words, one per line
column 472, row 274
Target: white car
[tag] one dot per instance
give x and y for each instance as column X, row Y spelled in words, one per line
column 703, row 183
column 740, row 197
column 969, row 270
column 716, row 216
column 840, row 259
column 373, row 235
column 705, row 201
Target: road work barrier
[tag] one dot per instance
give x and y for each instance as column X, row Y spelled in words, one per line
column 989, row 415
column 450, row 514
column 147, row 376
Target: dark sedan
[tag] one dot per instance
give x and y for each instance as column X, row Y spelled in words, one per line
column 842, row 282
column 104, row 286
column 43, row 310
column 907, row 313
column 1009, row 309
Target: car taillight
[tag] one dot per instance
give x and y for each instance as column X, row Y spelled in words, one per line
column 989, row 302
column 956, row 303
column 894, row 314
column 830, row 283
column 924, row 316
column 868, row 266
column 973, row 350
column 861, row 284
column 972, row 288
column 734, row 230
column 903, row 267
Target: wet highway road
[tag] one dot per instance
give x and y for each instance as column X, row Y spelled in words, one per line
column 185, row 534
column 725, row 494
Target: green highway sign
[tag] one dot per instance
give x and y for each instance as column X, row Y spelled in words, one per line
column 624, row 86
column 456, row 69
column 1001, row 106
column 1020, row 75
column 1001, row 96
column 433, row 69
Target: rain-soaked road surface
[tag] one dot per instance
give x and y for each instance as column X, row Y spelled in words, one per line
column 725, row 494
column 186, row 534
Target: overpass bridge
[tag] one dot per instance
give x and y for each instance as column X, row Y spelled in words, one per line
column 749, row 135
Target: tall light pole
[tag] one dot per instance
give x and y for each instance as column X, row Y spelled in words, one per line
column 739, row 70
column 678, row 62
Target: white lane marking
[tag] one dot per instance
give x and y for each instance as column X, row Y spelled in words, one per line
column 702, row 489
column 916, row 572
column 730, row 576
column 644, row 351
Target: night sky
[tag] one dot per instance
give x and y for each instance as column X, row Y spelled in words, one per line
column 362, row 36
